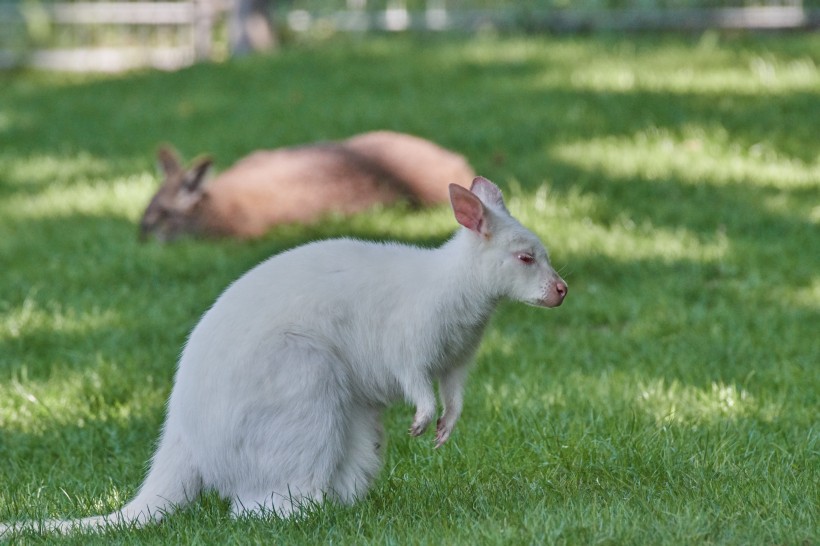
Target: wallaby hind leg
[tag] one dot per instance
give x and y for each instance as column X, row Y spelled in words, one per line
column 358, row 465
column 364, row 449
column 293, row 443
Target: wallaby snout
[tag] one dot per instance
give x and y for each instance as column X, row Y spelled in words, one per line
column 556, row 293
column 552, row 292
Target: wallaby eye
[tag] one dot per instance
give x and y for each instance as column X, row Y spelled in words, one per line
column 525, row 257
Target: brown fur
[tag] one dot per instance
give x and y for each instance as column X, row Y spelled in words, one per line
column 424, row 167
column 300, row 185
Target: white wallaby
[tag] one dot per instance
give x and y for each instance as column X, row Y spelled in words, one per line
column 278, row 397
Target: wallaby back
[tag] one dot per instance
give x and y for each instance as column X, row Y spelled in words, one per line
column 423, row 166
column 299, row 185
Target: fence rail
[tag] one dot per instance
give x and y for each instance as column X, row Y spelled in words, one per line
column 168, row 34
column 126, row 35
column 681, row 19
column 126, row 13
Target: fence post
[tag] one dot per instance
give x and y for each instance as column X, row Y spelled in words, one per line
column 250, row 27
column 203, row 29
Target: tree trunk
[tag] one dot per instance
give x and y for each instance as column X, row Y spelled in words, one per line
column 250, row 27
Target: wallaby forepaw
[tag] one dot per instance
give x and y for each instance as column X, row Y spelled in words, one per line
column 420, row 424
column 443, row 431
column 417, row 429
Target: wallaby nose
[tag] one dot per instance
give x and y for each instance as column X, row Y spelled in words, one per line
column 561, row 288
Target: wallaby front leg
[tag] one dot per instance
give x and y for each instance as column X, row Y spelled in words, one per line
column 419, row 392
column 451, row 389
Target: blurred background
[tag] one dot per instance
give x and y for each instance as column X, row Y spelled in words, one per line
column 112, row 35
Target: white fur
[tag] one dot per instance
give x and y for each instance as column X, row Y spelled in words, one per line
column 279, row 393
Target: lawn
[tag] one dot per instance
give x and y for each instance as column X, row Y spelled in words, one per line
column 672, row 399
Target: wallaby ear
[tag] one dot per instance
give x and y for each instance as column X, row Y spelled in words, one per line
column 192, row 187
column 168, row 161
column 194, row 179
column 468, row 209
column 488, row 192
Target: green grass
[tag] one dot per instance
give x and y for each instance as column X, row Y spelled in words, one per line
column 673, row 398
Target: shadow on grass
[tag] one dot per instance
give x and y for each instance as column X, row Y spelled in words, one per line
column 115, row 449
column 302, row 96
column 127, row 298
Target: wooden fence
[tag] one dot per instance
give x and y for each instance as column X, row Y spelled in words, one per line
column 114, row 35
column 108, row 36
column 437, row 18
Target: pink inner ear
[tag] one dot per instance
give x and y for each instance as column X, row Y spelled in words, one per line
column 468, row 210
column 488, row 191
column 478, row 182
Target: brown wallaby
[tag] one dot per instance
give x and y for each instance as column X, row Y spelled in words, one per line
column 299, row 185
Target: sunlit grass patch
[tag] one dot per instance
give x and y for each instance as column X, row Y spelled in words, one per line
column 123, row 198
column 42, row 170
column 685, row 404
column 616, row 394
column 695, row 155
column 572, row 221
column 682, row 74
column 32, row 318
column 401, row 222
column 710, row 68
column 804, row 296
column 75, row 398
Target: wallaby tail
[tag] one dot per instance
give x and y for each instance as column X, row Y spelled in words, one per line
column 172, row 482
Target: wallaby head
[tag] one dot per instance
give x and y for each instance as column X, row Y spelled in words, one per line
column 171, row 212
column 510, row 258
